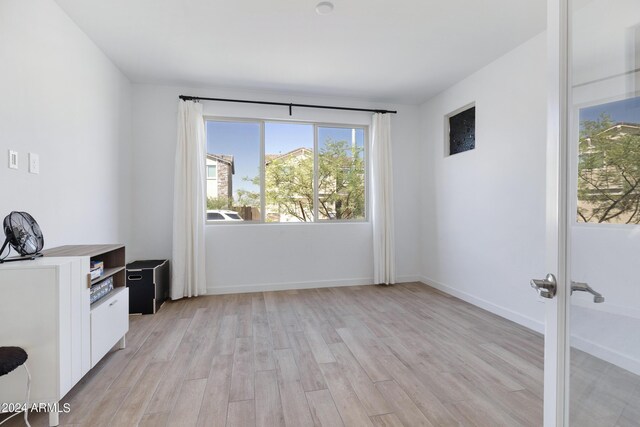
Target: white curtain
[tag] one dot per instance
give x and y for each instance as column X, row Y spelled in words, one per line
column 384, row 259
column 188, row 277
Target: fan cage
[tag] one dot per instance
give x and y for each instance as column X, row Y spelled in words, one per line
column 23, row 233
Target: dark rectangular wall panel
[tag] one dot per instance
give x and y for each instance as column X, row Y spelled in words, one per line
column 462, row 131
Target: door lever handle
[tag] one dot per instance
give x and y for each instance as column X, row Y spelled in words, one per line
column 546, row 287
column 584, row 287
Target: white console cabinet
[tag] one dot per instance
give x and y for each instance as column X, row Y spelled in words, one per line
column 45, row 309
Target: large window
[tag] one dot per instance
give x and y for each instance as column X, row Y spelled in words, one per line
column 287, row 172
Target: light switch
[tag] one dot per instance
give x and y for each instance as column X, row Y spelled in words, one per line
column 13, row 159
column 34, row 163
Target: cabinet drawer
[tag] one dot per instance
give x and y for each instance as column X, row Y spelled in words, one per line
column 109, row 322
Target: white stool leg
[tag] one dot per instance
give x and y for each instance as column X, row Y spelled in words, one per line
column 26, row 411
column 54, row 418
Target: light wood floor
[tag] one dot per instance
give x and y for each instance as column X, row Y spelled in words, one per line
column 405, row 355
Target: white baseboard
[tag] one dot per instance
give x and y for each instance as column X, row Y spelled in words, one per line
column 409, row 278
column 264, row 287
column 525, row 321
column 612, row 356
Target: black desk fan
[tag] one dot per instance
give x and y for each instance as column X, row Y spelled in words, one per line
column 24, row 235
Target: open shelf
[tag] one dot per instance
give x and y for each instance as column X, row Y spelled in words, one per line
column 113, row 257
column 108, row 272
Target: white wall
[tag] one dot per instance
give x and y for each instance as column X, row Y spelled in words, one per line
column 483, row 222
column 250, row 257
column 61, row 98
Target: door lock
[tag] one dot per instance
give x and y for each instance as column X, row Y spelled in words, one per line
column 546, row 287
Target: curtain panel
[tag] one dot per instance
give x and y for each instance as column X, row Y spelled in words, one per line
column 188, row 269
column 382, row 201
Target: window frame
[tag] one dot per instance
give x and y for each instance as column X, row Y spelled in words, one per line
column 316, row 125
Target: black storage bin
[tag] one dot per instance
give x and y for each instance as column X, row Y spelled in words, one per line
column 148, row 283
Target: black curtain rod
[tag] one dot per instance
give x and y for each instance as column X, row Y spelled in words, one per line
column 284, row 104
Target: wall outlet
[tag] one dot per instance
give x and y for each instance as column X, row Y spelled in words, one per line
column 13, row 159
column 34, row 163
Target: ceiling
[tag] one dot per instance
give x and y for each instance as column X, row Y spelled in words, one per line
column 395, row 51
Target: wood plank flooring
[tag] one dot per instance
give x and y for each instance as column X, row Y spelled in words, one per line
column 405, row 355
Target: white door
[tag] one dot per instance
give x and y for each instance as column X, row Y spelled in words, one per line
column 592, row 337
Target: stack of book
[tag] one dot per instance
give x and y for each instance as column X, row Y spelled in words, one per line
column 97, row 269
column 101, row 289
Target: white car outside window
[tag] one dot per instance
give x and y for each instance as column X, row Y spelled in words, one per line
column 223, row 215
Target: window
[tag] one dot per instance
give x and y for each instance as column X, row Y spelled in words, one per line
column 289, row 163
column 234, row 148
column 212, row 172
column 341, row 173
column 288, row 172
column 608, row 184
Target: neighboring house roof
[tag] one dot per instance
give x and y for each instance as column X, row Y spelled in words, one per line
column 626, row 128
column 616, row 131
column 293, row 153
column 223, row 158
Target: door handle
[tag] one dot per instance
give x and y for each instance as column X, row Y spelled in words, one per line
column 546, row 287
column 584, row 287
